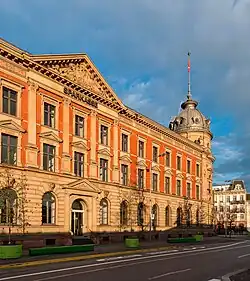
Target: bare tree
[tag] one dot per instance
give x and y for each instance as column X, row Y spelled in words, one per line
column 13, row 201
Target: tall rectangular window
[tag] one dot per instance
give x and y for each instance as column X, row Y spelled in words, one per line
column 197, row 192
column 178, row 187
column 155, row 154
column 79, row 126
column 188, row 190
column 104, row 169
column 124, row 171
column 155, row 182
column 140, row 178
column 79, row 164
column 228, row 198
column 141, row 149
column 9, row 101
column 104, row 135
column 124, row 143
column 197, row 170
column 49, row 115
column 167, row 159
column 167, row 185
column 49, row 157
column 9, row 149
column 188, row 166
column 178, row 164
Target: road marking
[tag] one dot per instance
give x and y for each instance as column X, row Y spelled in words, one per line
column 195, row 252
column 169, row 273
column 119, row 258
column 246, row 255
column 162, row 252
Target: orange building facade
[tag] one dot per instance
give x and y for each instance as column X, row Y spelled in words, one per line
column 91, row 163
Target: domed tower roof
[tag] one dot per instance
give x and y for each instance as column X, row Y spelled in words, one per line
column 190, row 119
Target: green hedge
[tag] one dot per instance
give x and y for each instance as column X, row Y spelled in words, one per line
column 61, row 250
column 182, row 240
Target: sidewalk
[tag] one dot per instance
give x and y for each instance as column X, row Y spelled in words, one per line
column 117, row 248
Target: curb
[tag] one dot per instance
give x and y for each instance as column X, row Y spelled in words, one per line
column 80, row 258
column 227, row 276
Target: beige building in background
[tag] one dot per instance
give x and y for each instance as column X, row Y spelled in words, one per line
column 92, row 164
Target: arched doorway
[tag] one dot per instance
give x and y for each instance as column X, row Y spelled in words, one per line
column 77, row 217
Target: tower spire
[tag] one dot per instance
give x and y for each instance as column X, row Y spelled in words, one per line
column 189, row 96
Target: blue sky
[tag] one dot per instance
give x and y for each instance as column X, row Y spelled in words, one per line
column 140, row 47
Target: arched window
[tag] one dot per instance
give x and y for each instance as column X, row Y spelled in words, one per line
column 167, row 216
column 188, row 217
column 48, row 208
column 155, row 215
column 8, row 206
column 140, row 214
column 179, row 216
column 104, row 211
column 124, row 213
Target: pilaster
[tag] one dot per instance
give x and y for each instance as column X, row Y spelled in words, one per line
column 115, row 154
column 31, row 149
column 65, row 155
column 93, row 142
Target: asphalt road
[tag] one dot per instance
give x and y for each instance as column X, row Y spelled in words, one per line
column 189, row 264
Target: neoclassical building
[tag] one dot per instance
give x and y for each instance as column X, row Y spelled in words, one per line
column 92, row 164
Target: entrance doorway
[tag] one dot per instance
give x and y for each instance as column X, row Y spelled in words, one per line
column 77, row 217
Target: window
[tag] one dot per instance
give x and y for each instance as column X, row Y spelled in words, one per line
column 124, row 143
column 228, row 198
column 155, row 182
column 189, row 190
column 8, row 206
column 179, row 216
column 49, row 157
column 141, row 149
column 9, row 149
column 104, row 169
column 79, row 126
column 178, row 187
column 178, row 163
column 197, row 192
column 197, row 170
column 9, row 101
column 140, row 214
column 167, row 185
column 155, row 154
column 124, row 170
column 154, row 216
column 167, row 216
column 140, row 178
column 104, row 211
column 167, row 159
column 241, row 198
column 242, row 216
column 124, row 213
column 234, row 198
column 188, row 166
column 49, row 115
column 227, row 209
column 79, row 164
column 48, row 208
column 104, row 135
column 221, row 208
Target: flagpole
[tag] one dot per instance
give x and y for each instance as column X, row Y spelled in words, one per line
column 189, row 86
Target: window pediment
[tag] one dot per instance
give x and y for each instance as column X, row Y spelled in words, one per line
column 50, row 136
column 179, row 175
column 198, row 180
column 105, row 152
column 83, row 185
column 125, row 158
column 11, row 125
column 168, row 171
column 156, row 168
column 189, row 178
column 142, row 163
column 80, row 144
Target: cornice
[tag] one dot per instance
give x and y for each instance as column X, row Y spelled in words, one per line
column 27, row 60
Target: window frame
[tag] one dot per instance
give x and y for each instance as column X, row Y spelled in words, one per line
column 45, row 154
column 8, row 146
column 79, row 164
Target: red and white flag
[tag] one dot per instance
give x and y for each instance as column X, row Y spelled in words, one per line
column 189, row 65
